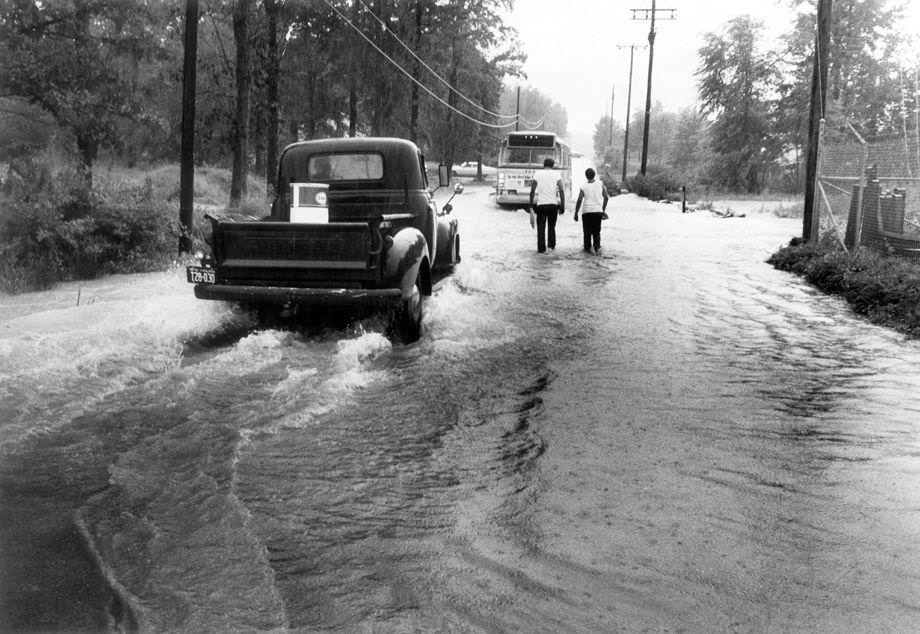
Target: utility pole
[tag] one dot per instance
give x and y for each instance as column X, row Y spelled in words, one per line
column 612, row 92
column 632, row 50
column 649, row 14
column 517, row 111
column 187, row 150
column 818, row 98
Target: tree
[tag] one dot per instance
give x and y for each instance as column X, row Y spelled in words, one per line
column 608, row 142
column 323, row 59
column 240, row 137
column 97, row 69
column 24, row 128
column 734, row 81
column 662, row 129
column 266, row 70
column 863, row 71
column 474, row 50
column 538, row 112
column 688, row 146
column 77, row 61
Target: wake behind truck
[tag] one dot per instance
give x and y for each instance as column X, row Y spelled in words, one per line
column 354, row 224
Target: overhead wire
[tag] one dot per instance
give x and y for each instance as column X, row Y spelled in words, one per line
column 413, row 79
column 533, row 125
column 431, row 70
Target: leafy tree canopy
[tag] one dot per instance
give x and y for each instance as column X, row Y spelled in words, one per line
column 735, row 79
column 78, row 61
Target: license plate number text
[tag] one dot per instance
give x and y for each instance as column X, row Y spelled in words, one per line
column 199, row 275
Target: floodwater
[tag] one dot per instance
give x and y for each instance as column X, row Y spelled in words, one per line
column 671, row 435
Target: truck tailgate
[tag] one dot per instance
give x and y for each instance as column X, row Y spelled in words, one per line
column 294, row 254
column 289, row 244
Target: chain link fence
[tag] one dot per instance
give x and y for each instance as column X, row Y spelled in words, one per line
column 868, row 190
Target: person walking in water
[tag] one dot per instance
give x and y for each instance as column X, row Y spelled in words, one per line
column 594, row 196
column 547, row 201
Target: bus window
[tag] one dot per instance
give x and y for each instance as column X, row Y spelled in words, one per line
column 562, row 156
column 517, row 155
column 540, row 154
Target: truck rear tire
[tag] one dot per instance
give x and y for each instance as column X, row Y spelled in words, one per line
column 406, row 319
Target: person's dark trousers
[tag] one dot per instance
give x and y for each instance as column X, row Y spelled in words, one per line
column 591, row 226
column 546, row 226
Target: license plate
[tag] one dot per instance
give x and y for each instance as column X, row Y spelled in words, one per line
column 200, row 275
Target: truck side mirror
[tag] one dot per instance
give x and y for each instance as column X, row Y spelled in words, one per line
column 443, row 175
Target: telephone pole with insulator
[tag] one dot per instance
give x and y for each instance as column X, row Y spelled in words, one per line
column 649, row 14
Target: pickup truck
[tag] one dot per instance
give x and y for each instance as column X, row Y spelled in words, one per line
column 354, row 224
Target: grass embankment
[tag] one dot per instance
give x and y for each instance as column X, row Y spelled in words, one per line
column 884, row 289
column 51, row 232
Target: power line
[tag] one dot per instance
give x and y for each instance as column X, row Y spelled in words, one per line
column 431, row 70
column 413, row 79
column 533, row 125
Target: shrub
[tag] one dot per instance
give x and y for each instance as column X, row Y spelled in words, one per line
column 610, row 183
column 30, row 254
column 659, row 186
column 51, row 230
column 60, row 233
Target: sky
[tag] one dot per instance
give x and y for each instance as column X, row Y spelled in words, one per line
column 574, row 57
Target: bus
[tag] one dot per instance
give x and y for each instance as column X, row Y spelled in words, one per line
column 523, row 152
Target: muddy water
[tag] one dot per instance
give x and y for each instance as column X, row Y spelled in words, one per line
column 669, row 435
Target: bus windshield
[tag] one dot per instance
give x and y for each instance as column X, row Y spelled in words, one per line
column 526, row 155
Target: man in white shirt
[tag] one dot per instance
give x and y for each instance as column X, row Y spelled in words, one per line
column 594, row 196
column 547, row 201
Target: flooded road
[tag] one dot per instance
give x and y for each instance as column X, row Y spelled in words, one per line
column 669, row 436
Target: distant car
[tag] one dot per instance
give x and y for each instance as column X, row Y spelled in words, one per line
column 469, row 168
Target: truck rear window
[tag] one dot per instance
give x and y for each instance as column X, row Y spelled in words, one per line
column 345, row 167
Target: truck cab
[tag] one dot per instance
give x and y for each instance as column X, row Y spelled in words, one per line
column 353, row 224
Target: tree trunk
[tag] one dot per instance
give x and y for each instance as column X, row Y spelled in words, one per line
column 88, row 149
column 274, row 64
column 416, row 72
column 187, row 150
column 353, row 82
column 449, row 122
column 380, row 78
column 258, row 152
column 241, row 122
column 352, row 110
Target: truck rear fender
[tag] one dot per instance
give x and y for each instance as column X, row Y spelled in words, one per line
column 406, row 258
